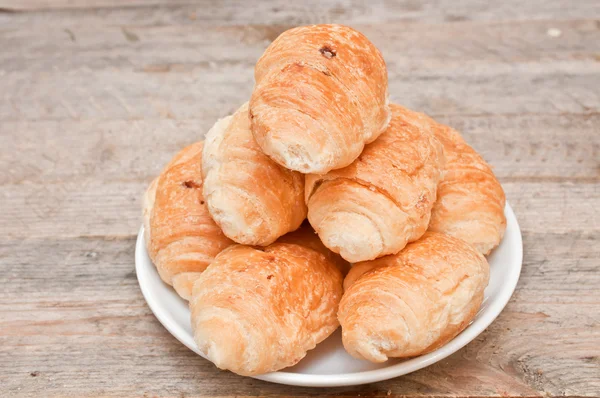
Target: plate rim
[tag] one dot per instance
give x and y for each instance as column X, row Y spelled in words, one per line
column 369, row 376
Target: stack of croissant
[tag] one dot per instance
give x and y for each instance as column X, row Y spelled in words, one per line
column 401, row 211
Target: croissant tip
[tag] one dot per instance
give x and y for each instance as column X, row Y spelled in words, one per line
column 352, row 246
column 364, row 347
column 224, row 349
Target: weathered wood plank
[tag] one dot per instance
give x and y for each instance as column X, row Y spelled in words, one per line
column 108, row 71
column 87, row 94
column 94, row 102
column 32, row 5
column 530, row 147
column 89, row 207
column 305, row 12
column 117, row 348
column 409, row 48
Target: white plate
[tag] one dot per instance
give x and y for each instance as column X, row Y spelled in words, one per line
column 328, row 365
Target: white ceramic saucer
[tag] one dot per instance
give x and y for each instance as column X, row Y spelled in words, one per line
column 329, row 365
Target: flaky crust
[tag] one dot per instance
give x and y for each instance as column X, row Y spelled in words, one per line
column 253, row 199
column 383, row 200
column 320, row 95
column 180, row 236
column 307, row 237
column 412, row 302
column 258, row 310
column 470, row 200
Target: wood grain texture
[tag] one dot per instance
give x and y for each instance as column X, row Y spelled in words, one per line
column 96, row 96
column 132, row 95
column 88, row 331
column 416, row 47
column 32, row 5
column 536, row 147
column 89, row 182
column 91, row 207
column 125, row 72
column 305, row 12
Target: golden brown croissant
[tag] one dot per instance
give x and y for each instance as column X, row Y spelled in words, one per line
column 412, row 302
column 321, row 95
column 180, row 236
column 257, row 310
column 383, row 200
column 470, row 200
column 253, row 199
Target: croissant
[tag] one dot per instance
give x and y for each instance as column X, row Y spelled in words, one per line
column 181, row 238
column 321, row 94
column 307, row 237
column 412, row 302
column 383, row 200
column 257, row 310
column 253, row 199
column 470, row 200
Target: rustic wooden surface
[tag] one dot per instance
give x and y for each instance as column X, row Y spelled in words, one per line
column 95, row 96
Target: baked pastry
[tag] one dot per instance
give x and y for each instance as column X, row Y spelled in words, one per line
column 257, row 310
column 253, row 199
column 383, row 200
column 180, row 236
column 470, row 200
column 412, row 302
column 307, row 237
column 321, row 94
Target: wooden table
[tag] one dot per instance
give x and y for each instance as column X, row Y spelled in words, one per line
column 96, row 96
